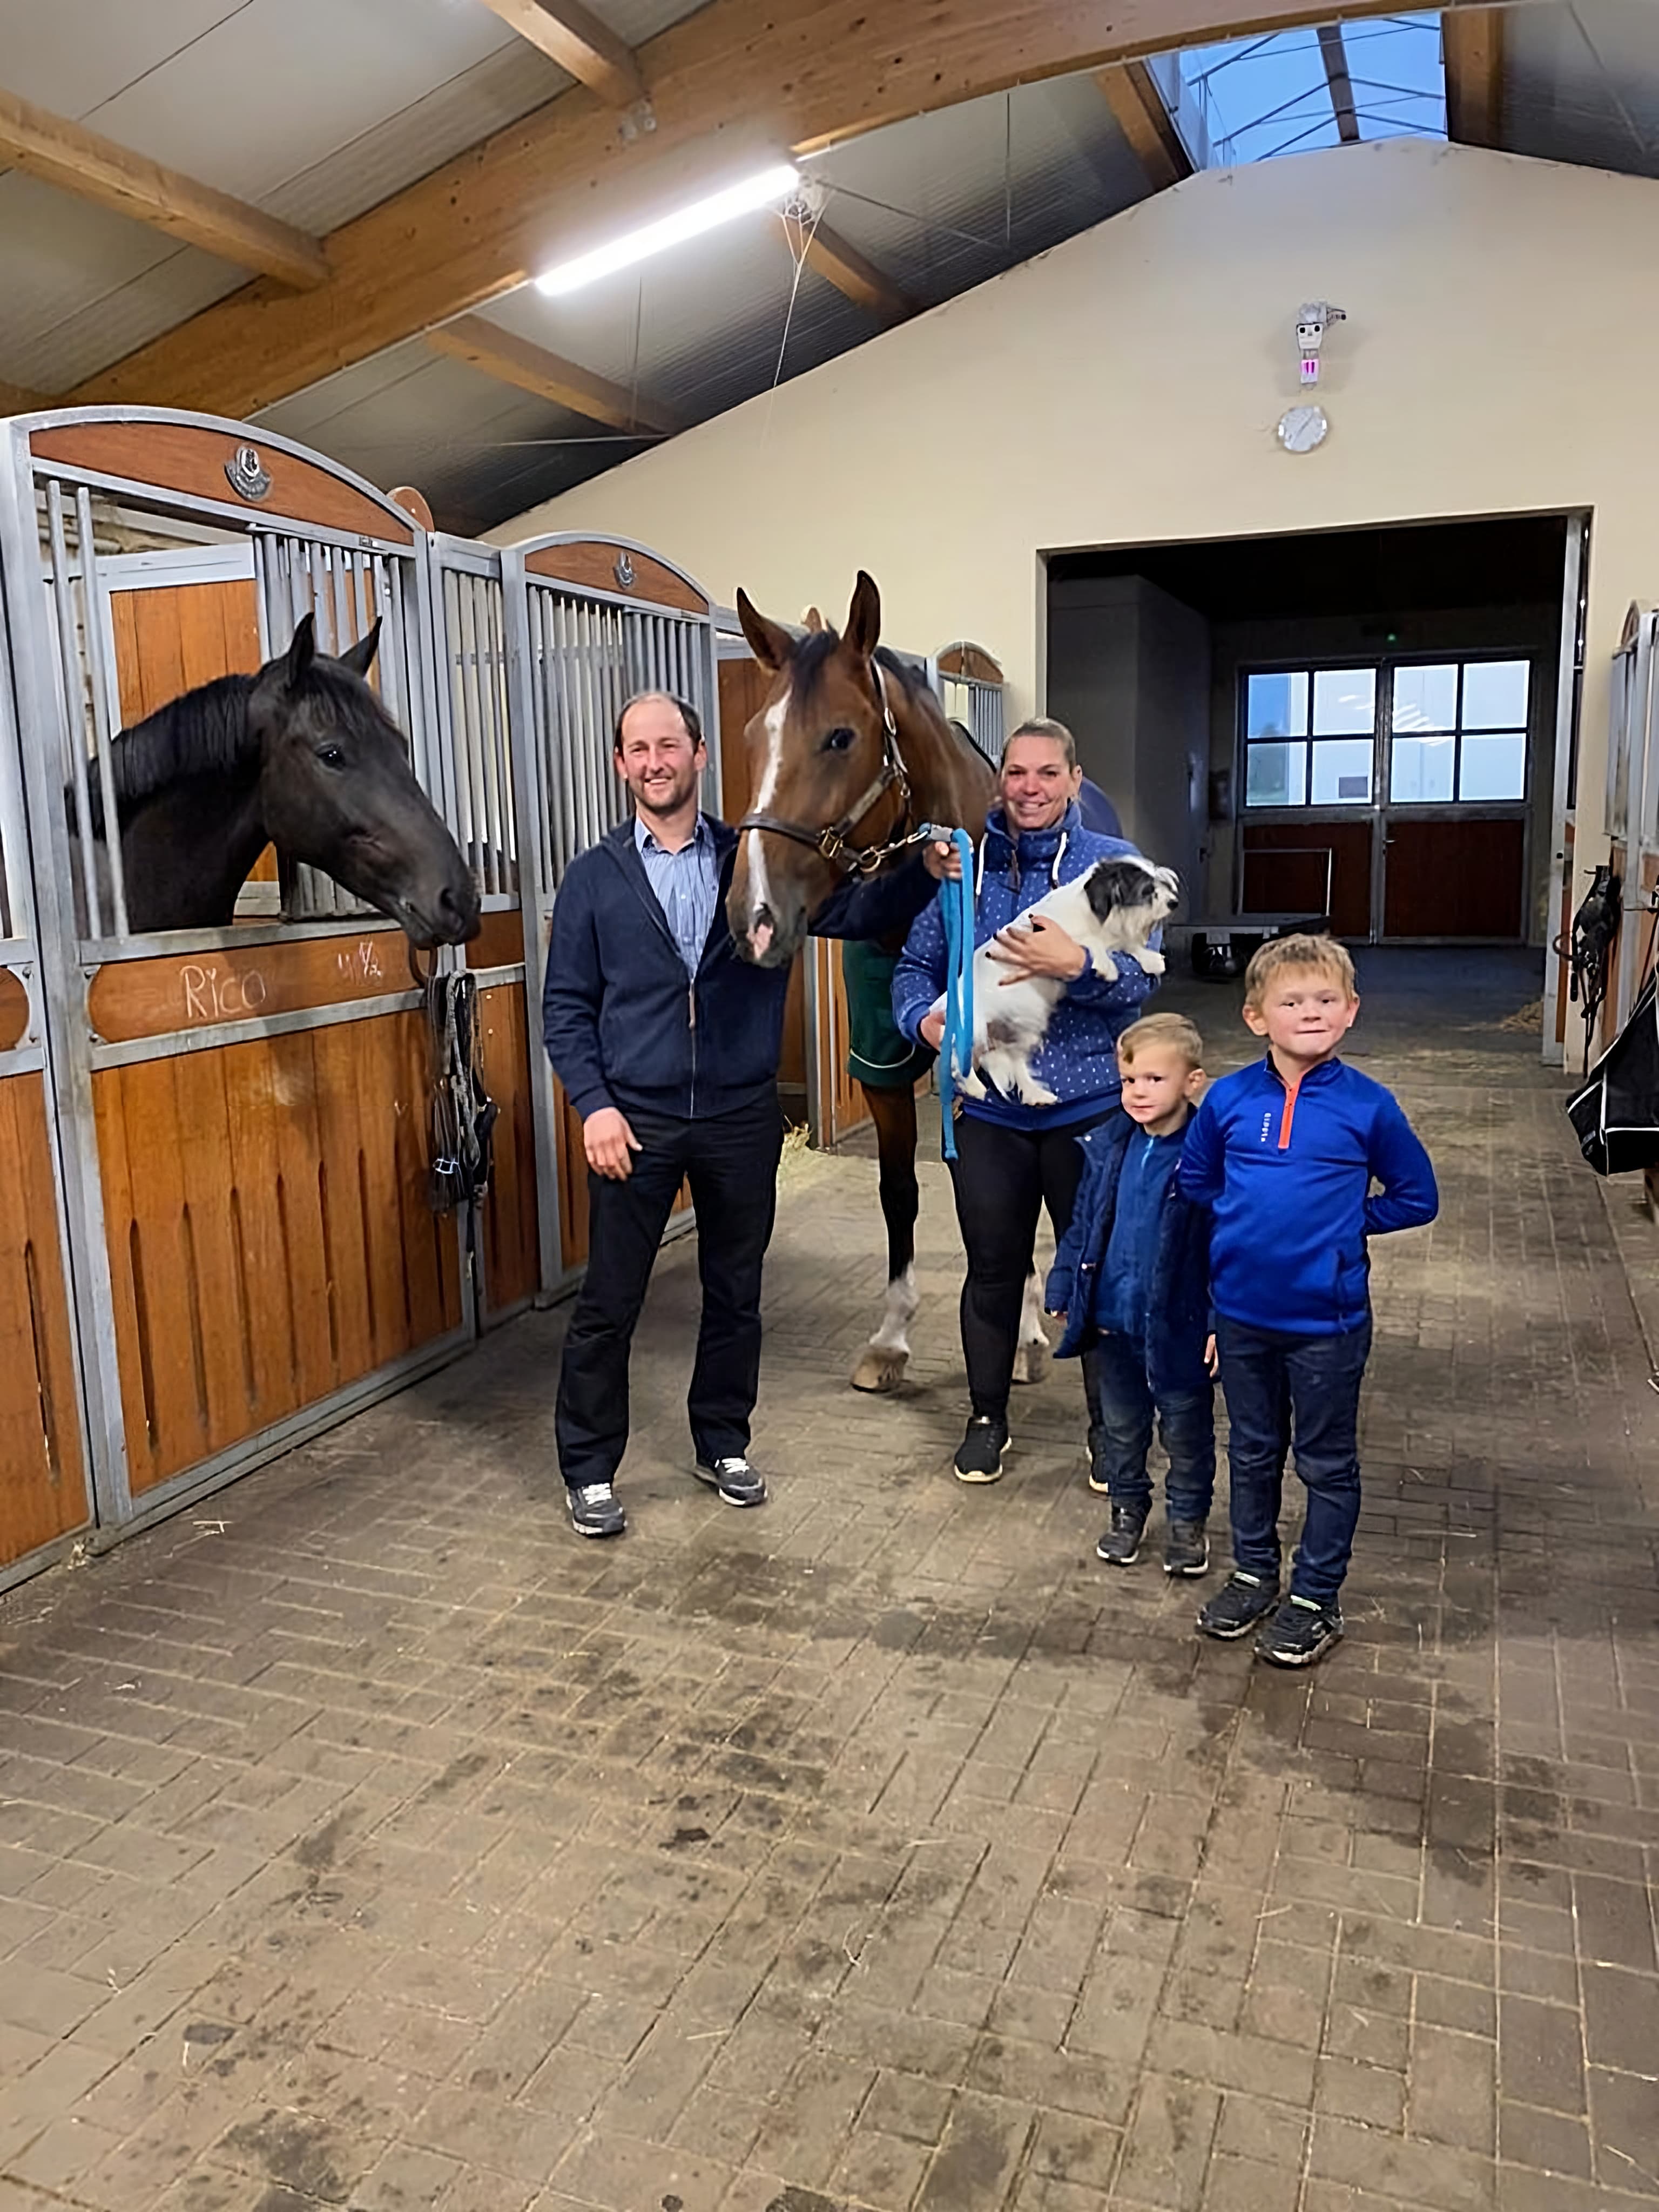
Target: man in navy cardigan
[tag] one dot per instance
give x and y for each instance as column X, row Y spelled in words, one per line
column 667, row 1043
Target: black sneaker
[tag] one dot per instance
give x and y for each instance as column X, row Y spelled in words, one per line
column 1300, row 1633
column 1121, row 1546
column 737, row 1483
column 594, row 1510
column 1242, row 1601
column 1186, row 1548
column 1099, row 1481
column 979, row 1455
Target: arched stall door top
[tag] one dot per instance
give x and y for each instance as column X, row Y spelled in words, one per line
column 616, row 566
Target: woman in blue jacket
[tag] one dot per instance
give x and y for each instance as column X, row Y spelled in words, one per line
column 1013, row 1159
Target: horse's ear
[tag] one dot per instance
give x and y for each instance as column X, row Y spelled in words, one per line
column 303, row 651
column 360, row 658
column 769, row 642
column 812, row 620
column 863, row 631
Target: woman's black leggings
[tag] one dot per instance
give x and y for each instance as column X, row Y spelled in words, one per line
column 1003, row 1179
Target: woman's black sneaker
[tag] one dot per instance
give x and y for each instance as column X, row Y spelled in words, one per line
column 1302, row 1632
column 1242, row 1601
column 1186, row 1548
column 1121, row 1546
column 979, row 1455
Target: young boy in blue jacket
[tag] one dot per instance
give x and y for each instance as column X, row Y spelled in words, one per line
column 1131, row 1277
column 1285, row 1152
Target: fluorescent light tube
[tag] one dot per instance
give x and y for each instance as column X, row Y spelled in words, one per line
column 756, row 191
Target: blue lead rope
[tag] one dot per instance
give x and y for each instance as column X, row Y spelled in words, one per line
column 956, row 1049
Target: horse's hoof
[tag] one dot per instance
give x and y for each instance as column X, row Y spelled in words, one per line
column 879, row 1370
column 1031, row 1363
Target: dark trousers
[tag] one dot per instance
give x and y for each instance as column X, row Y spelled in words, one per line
column 732, row 1163
column 1004, row 1177
column 1122, row 1404
column 1305, row 1389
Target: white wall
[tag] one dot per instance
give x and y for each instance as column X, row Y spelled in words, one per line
column 1499, row 356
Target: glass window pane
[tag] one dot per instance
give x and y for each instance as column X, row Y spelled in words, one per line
column 1345, row 699
column 1494, row 766
column 1342, row 772
column 1425, row 698
column 1495, row 694
column 1422, row 770
column 1275, row 775
column 1276, row 706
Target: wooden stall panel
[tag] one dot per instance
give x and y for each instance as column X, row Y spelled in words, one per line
column 1283, row 870
column 511, row 1248
column 43, row 1492
column 131, row 998
column 169, row 638
column 269, row 1237
column 190, row 458
column 1455, row 878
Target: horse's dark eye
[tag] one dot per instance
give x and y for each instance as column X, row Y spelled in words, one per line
column 838, row 741
column 332, row 755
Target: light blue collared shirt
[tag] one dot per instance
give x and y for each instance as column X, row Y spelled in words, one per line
column 687, row 884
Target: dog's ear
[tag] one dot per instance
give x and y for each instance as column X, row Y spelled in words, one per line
column 1113, row 884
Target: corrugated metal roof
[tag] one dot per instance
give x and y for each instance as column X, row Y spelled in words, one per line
column 314, row 109
column 1581, row 83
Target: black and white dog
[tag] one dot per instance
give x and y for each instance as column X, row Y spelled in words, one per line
column 1113, row 907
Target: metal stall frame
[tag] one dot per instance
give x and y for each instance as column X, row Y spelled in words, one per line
column 67, row 961
column 1631, row 819
column 557, row 613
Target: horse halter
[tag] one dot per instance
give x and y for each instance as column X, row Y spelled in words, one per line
column 831, row 842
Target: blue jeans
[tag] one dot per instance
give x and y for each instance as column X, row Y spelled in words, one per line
column 1278, row 1388
column 1122, row 1404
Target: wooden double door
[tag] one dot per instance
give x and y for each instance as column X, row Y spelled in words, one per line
column 1393, row 874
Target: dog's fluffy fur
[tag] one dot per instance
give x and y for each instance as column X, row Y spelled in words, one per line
column 1113, row 907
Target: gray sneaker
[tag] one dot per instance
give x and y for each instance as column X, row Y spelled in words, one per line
column 737, row 1482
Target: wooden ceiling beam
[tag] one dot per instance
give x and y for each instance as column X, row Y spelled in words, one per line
column 1138, row 111
column 572, row 35
column 1335, row 55
column 839, row 262
column 731, row 87
column 1472, row 42
column 513, row 360
column 78, row 160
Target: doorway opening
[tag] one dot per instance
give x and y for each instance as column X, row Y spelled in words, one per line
column 1363, row 724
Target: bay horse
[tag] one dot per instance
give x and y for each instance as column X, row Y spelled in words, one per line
column 300, row 755
column 849, row 756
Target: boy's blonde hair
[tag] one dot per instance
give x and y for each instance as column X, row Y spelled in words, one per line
column 1322, row 954
column 1172, row 1030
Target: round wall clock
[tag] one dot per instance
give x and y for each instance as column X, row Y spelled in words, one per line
column 1301, row 428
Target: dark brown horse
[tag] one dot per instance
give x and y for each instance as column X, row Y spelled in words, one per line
column 849, row 756
column 301, row 755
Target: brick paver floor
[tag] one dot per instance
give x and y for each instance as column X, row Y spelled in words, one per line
column 367, row 1840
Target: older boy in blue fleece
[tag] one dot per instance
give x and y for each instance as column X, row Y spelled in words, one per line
column 1131, row 1277
column 1286, row 1151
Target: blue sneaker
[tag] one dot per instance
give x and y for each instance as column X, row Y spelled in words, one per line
column 1301, row 1632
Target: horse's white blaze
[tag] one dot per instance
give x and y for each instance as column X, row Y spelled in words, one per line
column 897, row 1313
column 760, row 889
column 1031, row 1312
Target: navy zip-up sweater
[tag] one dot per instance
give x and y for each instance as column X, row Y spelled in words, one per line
column 1288, row 1174
column 1171, row 1297
column 626, row 1026
column 1078, row 1057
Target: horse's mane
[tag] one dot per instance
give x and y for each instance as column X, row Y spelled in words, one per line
column 806, row 665
column 203, row 733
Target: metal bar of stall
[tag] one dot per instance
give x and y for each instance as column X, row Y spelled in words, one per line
column 98, row 674
column 468, row 761
column 496, row 788
column 63, row 597
column 261, row 587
